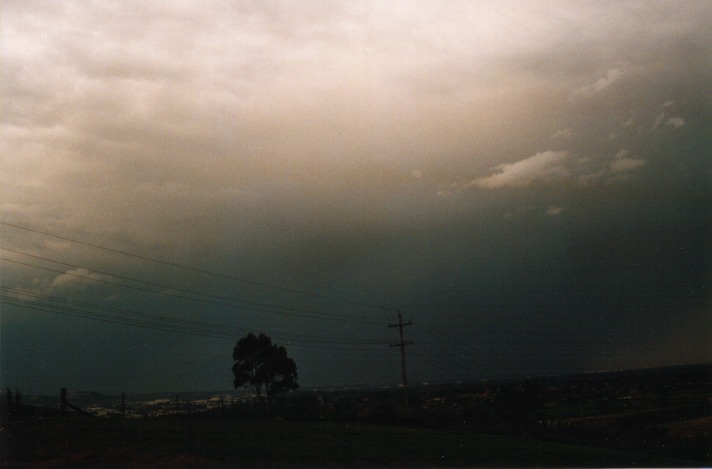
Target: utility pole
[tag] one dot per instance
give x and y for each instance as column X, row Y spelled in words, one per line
column 402, row 343
column 63, row 401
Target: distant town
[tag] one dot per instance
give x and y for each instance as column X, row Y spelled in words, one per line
column 648, row 417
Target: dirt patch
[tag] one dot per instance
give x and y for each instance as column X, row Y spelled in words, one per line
column 692, row 428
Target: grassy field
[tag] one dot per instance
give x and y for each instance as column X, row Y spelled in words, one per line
column 257, row 443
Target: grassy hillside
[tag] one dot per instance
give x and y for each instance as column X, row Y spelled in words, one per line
column 250, row 443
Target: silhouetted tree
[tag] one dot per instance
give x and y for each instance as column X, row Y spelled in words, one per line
column 264, row 366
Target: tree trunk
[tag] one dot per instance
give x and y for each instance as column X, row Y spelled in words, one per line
column 261, row 398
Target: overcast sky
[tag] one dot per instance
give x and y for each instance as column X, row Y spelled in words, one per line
column 530, row 183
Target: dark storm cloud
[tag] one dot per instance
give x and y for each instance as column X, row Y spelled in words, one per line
column 528, row 181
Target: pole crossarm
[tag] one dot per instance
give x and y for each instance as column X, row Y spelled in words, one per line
column 398, row 344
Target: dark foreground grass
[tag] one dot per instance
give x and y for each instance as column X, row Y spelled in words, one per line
column 246, row 443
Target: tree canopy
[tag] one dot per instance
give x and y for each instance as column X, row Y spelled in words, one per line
column 264, row 366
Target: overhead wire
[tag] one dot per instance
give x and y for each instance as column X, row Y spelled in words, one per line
column 20, row 294
column 189, row 327
column 197, row 270
column 213, row 299
column 85, row 310
column 170, row 291
column 196, row 328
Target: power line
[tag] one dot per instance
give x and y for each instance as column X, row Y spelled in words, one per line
column 196, row 270
column 218, row 327
column 114, row 320
column 20, row 294
column 289, row 311
column 293, row 311
column 83, row 310
column 170, row 289
column 294, row 341
column 205, row 297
